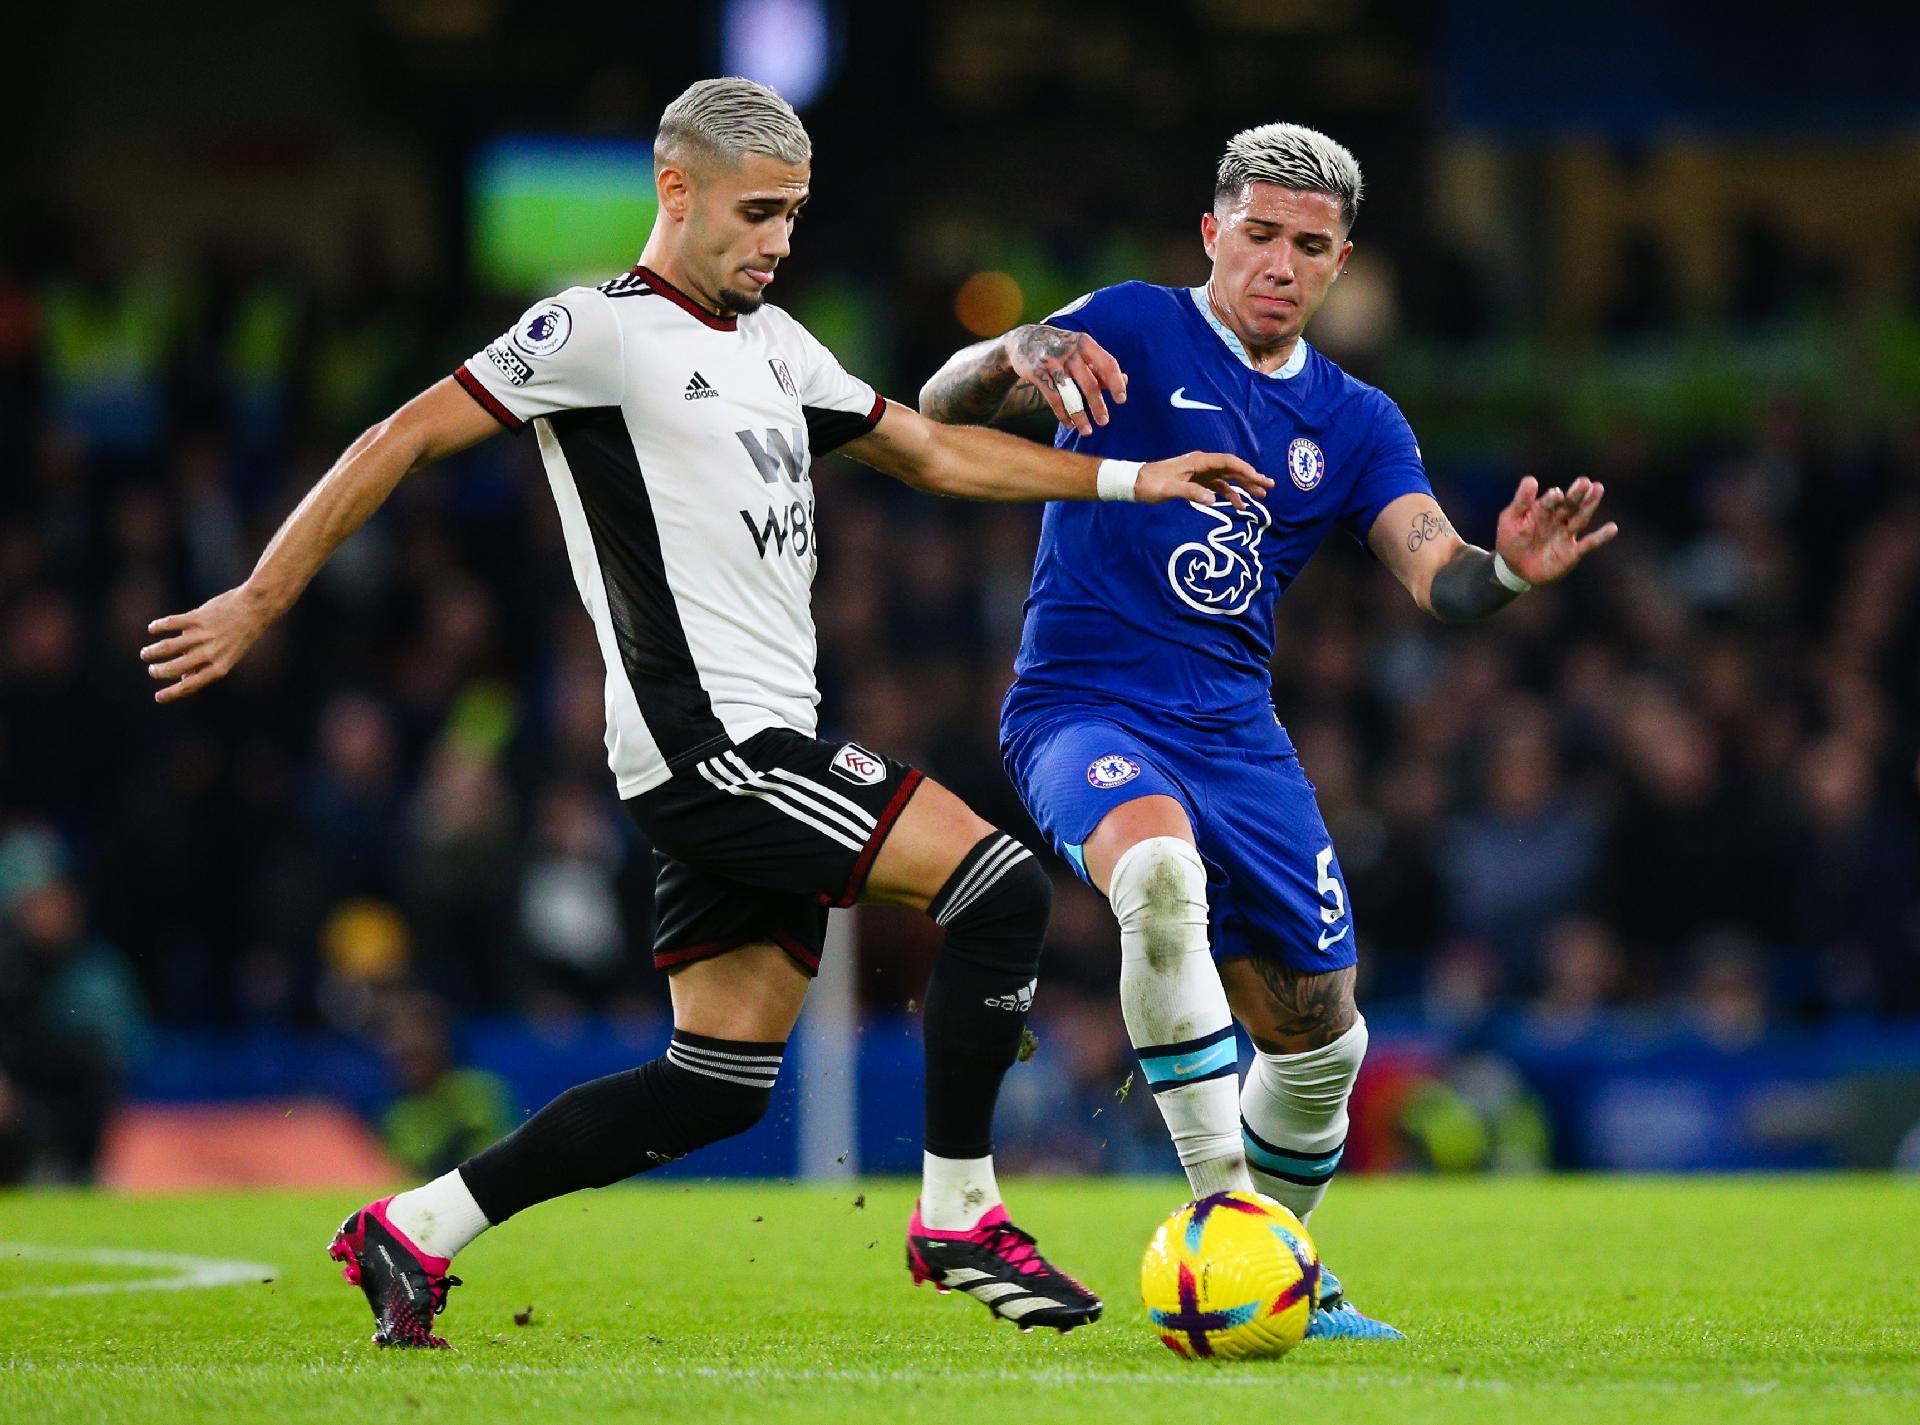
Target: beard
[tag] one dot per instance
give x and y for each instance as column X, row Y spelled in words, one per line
column 740, row 304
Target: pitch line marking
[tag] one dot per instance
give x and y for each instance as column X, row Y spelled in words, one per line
column 187, row 1272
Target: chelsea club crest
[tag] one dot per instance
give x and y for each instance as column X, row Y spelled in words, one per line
column 1305, row 463
column 1111, row 771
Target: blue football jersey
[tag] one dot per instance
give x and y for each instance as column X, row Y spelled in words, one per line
column 1169, row 609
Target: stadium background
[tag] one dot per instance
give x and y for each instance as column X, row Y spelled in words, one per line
column 1636, row 866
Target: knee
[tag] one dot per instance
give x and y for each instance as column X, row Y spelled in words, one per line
column 719, row 1087
column 1318, row 1080
column 996, row 907
column 1159, row 881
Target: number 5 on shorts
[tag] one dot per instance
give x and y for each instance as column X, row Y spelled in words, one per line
column 1330, row 888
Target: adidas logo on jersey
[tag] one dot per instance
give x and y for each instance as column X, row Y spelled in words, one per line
column 700, row 388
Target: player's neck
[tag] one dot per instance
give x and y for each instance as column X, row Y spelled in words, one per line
column 658, row 259
column 1264, row 359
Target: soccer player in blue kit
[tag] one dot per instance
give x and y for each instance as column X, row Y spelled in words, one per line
column 1140, row 729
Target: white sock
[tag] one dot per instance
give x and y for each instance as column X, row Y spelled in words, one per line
column 1176, row 1008
column 955, row 1193
column 1294, row 1113
column 440, row 1217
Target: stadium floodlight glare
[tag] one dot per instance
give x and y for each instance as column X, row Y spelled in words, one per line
column 787, row 45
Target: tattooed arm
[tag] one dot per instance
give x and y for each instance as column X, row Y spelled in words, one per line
column 974, row 388
column 997, row 381
column 1540, row 537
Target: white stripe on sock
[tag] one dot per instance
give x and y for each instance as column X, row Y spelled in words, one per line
column 971, row 898
column 996, row 848
column 1006, row 863
column 674, row 1057
column 728, row 1053
column 1001, row 854
column 741, row 1061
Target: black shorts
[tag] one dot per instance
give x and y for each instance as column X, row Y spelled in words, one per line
column 757, row 842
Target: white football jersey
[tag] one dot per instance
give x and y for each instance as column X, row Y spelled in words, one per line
column 678, row 445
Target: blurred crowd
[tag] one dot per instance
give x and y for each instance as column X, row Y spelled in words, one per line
column 1681, row 786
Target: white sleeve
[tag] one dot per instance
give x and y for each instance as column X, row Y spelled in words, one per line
column 564, row 354
column 838, row 407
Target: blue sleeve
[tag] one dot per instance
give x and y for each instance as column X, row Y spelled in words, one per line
column 1394, row 468
column 1105, row 314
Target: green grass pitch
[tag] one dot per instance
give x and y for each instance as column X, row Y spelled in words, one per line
column 1561, row 1300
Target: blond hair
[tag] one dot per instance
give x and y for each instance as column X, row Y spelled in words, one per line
column 722, row 120
column 1290, row 156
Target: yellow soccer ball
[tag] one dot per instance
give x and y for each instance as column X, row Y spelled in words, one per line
column 1232, row 1277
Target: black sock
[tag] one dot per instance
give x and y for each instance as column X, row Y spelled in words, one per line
column 701, row 1091
column 995, row 909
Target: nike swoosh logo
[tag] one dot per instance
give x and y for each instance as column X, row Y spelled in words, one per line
column 1326, row 939
column 1180, row 1071
column 1181, row 402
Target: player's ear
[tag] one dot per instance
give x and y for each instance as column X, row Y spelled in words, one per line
column 675, row 191
column 1209, row 232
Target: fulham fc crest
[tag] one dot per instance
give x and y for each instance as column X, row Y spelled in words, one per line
column 1111, row 771
column 1305, row 463
column 858, row 765
column 784, row 377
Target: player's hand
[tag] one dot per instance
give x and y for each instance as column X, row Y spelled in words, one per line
column 1071, row 371
column 1543, row 536
column 205, row 643
column 1201, row 477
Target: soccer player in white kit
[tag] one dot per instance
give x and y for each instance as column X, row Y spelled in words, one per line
column 678, row 417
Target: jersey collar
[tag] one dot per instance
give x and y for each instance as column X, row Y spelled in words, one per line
column 1295, row 363
column 680, row 299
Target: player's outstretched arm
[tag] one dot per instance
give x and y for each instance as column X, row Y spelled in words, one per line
column 973, row 463
column 1540, row 539
column 202, row 646
column 1029, row 369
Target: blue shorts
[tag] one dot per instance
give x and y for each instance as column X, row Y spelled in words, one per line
column 1274, row 886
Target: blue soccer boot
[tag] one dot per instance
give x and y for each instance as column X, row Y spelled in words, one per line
column 1338, row 1319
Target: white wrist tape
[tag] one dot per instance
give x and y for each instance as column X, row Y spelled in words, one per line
column 1115, row 479
column 1504, row 573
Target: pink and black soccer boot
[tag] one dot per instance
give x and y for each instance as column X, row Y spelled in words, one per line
column 405, row 1287
column 997, row 1264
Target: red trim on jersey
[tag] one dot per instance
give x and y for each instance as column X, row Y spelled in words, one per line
column 489, row 402
column 856, row 882
column 680, row 299
column 873, row 416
